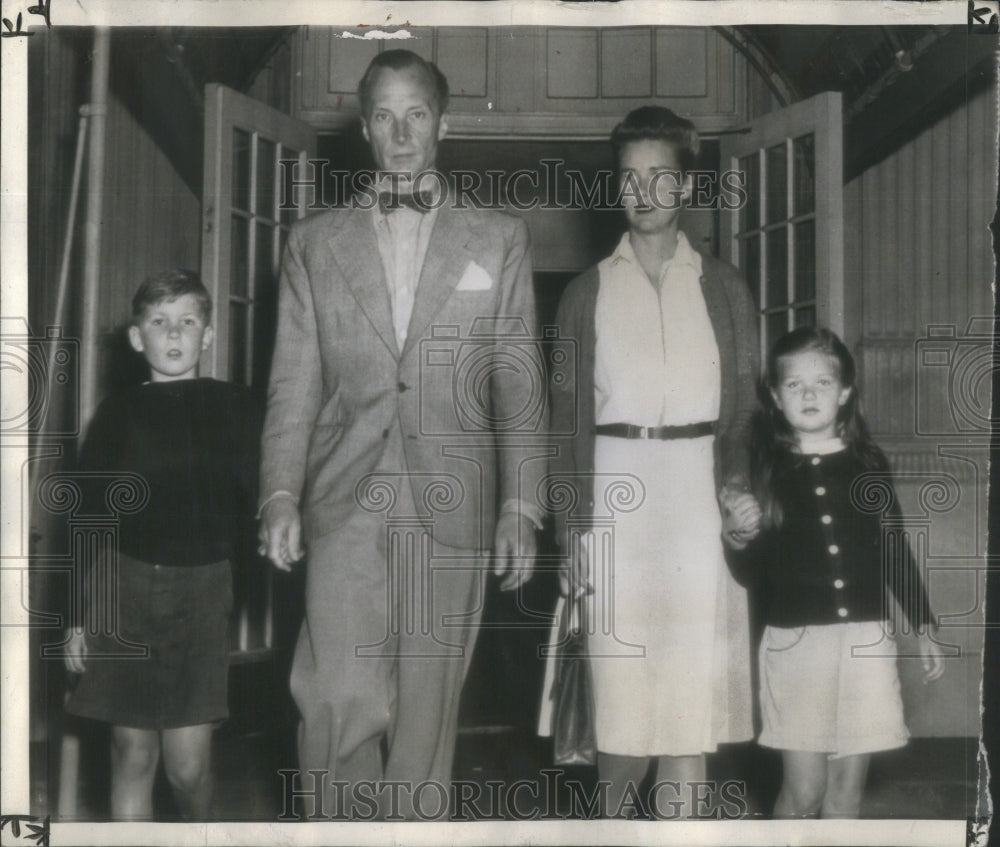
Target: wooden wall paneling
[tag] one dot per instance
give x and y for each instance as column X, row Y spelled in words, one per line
column 682, row 62
column 519, row 69
column 346, row 60
column 924, row 191
column 626, row 62
column 853, row 264
column 938, row 177
column 463, row 55
column 572, row 61
column 906, row 282
column 956, row 217
column 881, row 274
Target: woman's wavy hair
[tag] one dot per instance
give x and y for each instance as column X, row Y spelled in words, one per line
column 772, row 437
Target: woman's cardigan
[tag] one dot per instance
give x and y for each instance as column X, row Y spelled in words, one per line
column 733, row 319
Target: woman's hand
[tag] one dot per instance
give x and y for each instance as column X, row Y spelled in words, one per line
column 573, row 580
column 931, row 657
column 76, row 650
column 741, row 517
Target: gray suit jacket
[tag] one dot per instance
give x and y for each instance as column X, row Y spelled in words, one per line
column 339, row 385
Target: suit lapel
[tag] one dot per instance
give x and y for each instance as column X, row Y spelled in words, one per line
column 448, row 254
column 356, row 252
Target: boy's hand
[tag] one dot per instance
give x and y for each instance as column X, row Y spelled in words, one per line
column 76, row 650
column 741, row 517
column 280, row 533
column 931, row 657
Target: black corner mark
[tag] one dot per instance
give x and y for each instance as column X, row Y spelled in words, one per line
column 16, row 29
column 983, row 20
column 33, row 832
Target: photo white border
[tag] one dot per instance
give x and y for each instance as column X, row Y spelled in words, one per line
column 14, row 728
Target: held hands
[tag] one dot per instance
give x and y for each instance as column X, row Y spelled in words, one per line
column 514, row 548
column 741, row 517
column 280, row 533
column 573, row 581
column 76, row 650
column 931, row 657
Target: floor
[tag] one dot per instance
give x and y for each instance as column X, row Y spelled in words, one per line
column 930, row 778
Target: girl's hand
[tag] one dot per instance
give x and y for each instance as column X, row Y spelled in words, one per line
column 931, row 657
column 76, row 650
column 741, row 517
column 573, row 580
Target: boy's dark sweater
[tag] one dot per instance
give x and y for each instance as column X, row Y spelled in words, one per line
column 829, row 561
column 196, row 443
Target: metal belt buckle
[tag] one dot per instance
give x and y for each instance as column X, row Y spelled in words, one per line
column 637, row 431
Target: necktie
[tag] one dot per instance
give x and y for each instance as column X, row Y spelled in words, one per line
column 389, row 201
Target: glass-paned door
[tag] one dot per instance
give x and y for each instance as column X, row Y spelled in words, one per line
column 787, row 237
column 248, row 149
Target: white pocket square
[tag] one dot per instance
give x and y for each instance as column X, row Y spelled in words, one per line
column 475, row 278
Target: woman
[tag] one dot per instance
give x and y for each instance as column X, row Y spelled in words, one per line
column 660, row 404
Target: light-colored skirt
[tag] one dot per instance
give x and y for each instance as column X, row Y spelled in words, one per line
column 667, row 625
column 831, row 689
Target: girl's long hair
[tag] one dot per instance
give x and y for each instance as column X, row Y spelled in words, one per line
column 773, row 439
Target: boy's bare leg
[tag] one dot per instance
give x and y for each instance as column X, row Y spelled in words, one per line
column 187, row 757
column 803, row 784
column 135, row 754
column 845, row 784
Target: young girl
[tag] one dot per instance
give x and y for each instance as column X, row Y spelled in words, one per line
column 829, row 690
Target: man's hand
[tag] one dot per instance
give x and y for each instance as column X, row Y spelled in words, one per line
column 514, row 549
column 280, row 533
column 76, row 651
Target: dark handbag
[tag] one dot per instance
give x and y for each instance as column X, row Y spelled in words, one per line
column 573, row 730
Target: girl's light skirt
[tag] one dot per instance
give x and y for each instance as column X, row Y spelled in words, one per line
column 831, row 689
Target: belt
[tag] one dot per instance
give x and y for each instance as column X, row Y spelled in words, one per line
column 657, row 433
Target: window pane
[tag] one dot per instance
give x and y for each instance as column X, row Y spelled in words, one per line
column 750, row 213
column 777, row 183
column 750, row 265
column 804, row 174
column 806, row 316
column 289, row 196
column 776, row 326
column 237, row 342
column 265, row 178
column 264, row 258
column 805, row 260
column 241, row 169
column 239, row 266
column 777, row 267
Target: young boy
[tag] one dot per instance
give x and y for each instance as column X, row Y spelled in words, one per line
column 195, row 442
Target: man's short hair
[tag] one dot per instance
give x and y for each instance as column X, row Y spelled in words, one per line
column 657, row 123
column 398, row 60
column 169, row 285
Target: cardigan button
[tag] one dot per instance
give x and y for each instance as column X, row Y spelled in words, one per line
column 826, row 519
column 838, row 583
column 820, row 491
column 833, row 549
column 842, row 612
column 815, row 460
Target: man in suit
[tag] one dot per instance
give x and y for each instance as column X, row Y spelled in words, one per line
column 402, row 445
